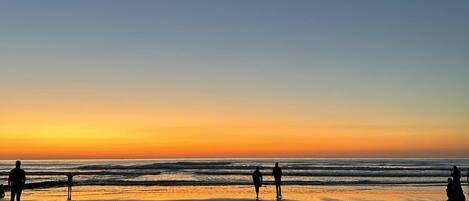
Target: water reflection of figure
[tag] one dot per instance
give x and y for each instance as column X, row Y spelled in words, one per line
column 257, row 179
column 277, row 173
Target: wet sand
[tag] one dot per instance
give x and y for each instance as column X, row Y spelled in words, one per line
column 240, row 193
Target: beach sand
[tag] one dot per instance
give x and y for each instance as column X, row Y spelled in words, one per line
column 239, row 193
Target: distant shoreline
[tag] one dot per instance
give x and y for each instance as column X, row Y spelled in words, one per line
column 234, row 158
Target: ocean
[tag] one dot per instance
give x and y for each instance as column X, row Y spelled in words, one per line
column 140, row 179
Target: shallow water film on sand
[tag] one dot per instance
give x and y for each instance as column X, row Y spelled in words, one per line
column 225, row 179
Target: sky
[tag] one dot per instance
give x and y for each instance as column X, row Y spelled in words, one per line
column 192, row 79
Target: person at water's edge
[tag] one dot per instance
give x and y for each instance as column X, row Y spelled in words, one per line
column 16, row 180
column 277, row 173
column 69, row 184
column 449, row 189
column 454, row 190
column 257, row 179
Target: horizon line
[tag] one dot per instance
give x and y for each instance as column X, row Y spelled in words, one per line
column 234, row 158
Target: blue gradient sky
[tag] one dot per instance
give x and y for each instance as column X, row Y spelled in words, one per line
column 386, row 64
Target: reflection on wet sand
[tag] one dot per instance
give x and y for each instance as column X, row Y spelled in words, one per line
column 240, row 193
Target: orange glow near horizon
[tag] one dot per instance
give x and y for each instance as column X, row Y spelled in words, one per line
column 50, row 129
column 61, row 139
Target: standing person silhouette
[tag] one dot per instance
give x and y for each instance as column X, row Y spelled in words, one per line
column 277, row 173
column 69, row 184
column 449, row 189
column 16, row 180
column 257, row 179
column 458, row 194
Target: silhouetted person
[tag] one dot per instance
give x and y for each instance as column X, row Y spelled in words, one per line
column 2, row 191
column 16, row 180
column 277, row 173
column 257, row 179
column 69, row 184
column 449, row 189
column 456, row 173
column 457, row 193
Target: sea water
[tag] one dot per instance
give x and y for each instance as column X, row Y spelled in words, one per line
column 304, row 179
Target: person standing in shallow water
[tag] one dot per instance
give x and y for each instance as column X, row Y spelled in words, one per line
column 16, row 180
column 277, row 173
column 257, row 179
